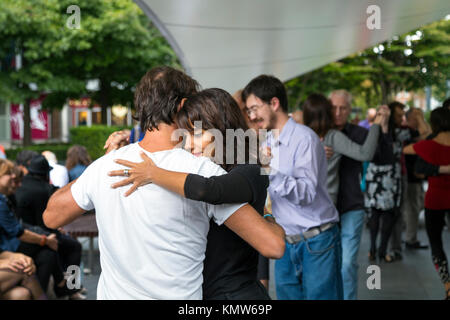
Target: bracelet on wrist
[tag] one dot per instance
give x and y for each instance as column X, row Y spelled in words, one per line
column 43, row 240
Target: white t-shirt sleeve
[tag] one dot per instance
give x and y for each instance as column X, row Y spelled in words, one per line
column 219, row 213
column 82, row 189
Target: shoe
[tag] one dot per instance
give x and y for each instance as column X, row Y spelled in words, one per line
column 64, row 291
column 397, row 256
column 372, row 256
column 77, row 296
column 83, row 290
column 416, row 245
column 387, row 258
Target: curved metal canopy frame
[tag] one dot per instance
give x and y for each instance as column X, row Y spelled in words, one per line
column 165, row 33
column 226, row 43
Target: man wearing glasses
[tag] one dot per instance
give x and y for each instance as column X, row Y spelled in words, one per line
column 310, row 267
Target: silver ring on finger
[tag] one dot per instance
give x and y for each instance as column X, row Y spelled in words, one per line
column 126, row 172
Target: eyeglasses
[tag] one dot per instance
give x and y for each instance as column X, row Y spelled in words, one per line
column 252, row 109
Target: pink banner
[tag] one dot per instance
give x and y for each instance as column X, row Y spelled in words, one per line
column 39, row 121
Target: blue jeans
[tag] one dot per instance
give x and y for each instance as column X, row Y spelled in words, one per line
column 351, row 230
column 310, row 269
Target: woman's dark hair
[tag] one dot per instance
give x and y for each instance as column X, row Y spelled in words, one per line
column 77, row 155
column 391, row 124
column 266, row 87
column 159, row 94
column 217, row 109
column 317, row 114
column 440, row 120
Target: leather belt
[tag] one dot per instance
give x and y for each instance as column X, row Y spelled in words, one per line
column 296, row 238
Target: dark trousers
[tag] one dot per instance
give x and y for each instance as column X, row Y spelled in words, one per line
column 434, row 223
column 388, row 221
column 253, row 291
column 47, row 263
column 69, row 250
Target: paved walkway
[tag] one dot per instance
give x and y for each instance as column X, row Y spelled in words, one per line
column 413, row 278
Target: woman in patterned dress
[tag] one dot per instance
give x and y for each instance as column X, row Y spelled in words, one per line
column 383, row 180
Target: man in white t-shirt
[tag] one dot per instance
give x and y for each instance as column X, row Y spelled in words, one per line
column 152, row 243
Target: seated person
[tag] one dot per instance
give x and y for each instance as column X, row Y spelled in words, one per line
column 17, row 279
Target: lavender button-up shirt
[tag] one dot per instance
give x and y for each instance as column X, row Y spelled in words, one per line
column 298, row 185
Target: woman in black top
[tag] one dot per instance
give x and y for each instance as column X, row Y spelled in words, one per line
column 230, row 266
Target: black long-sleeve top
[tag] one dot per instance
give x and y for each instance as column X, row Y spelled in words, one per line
column 230, row 262
column 385, row 151
column 425, row 168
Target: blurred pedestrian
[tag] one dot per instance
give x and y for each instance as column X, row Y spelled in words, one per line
column 421, row 131
column 32, row 198
column 370, row 117
column 318, row 116
column 414, row 194
column 297, row 115
column 77, row 161
column 2, row 152
column 384, row 183
column 136, row 134
column 350, row 199
column 15, row 238
column 59, row 176
column 23, row 159
column 437, row 200
column 427, row 169
column 17, row 278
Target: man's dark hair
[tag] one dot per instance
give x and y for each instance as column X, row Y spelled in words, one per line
column 266, row 87
column 24, row 157
column 440, row 120
column 446, row 103
column 159, row 94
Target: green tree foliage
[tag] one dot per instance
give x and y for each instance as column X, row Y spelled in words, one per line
column 115, row 45
column 408, row 62
column 93, row 138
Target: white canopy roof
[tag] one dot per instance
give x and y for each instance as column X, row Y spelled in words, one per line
column 225, row 43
